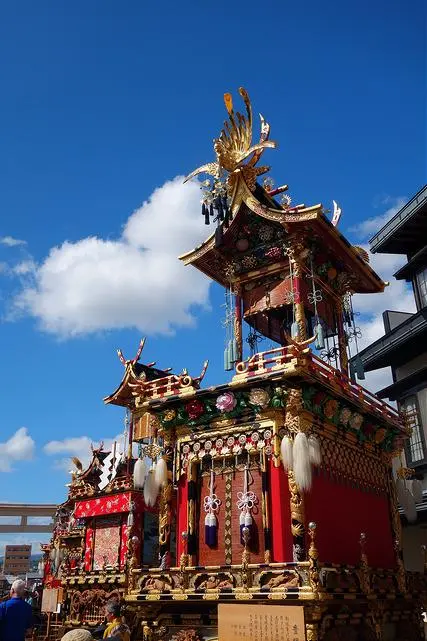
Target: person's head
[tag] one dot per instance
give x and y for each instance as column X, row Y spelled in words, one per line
column 77, row 635
column 18, row 589
column 112, row 610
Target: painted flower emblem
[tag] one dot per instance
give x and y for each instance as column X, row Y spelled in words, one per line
column 356, row 421
column 195, row 409
column 345, row 415
column 259, row 397
column 226, row 402
column 330, row 408
column 169, row 415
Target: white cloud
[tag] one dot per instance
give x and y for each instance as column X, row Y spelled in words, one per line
column 79, row 446
column 136, row 281
column 370, row 226
column 20, row 447
column 23, row 268
column 9, row 241
column 398, row 296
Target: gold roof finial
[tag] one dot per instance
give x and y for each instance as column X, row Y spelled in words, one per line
column 233, row 149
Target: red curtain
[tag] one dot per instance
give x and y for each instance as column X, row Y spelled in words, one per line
column 280, row 514
column 342, row 513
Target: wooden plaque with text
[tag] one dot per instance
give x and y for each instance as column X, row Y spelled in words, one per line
column 242, row 622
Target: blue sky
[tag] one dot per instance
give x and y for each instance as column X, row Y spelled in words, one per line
column 102, row 104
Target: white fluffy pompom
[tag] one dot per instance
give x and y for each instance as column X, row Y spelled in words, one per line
column 314, row 450
column 161, row 475
column 286, row 452
column 151, row 489
column 417, row 491
column 139, row 472
column 302, row 465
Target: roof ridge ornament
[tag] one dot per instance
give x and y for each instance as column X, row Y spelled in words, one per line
column 235, row 154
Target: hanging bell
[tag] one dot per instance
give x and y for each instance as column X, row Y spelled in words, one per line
column 319, row 343
column 294, row 330
column 358, row 368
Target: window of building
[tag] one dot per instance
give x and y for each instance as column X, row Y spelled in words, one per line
column 422, row 287
column 415, row 449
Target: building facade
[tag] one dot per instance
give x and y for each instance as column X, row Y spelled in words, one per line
column 17, row 559
column 404, row 348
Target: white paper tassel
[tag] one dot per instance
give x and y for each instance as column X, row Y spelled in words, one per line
column 151, row 489
column 139, row 473
column 410, row 508
column 286, row 452
column 417, row 491
column 161, row 475
column 302, row 465
column 130, row 520
column 314, row 450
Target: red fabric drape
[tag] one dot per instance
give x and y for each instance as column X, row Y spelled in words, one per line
column 280, row 514
column 181, row 515
column 89, row 548
column 341, row 514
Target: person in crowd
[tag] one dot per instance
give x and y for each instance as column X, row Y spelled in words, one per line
column 77, row 635
column 115, row 629
column 16, row 616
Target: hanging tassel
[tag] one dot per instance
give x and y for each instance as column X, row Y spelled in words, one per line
column 301, row 459
column 161, row 474
column 130, row 521
column 205, row 213
column 314, row 450
column 286, row 452
column 211, row 210
column 151, row 489
column 358, row 368
column 139, row 473
column 417, row 491
column 242, row 525
column 210, row 529
column 294, row 330
column 319, row 343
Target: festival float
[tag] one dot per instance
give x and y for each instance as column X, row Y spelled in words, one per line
column 263, row 508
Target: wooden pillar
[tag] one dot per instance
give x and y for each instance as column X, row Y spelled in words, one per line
column 299, row 302
column 192, row 507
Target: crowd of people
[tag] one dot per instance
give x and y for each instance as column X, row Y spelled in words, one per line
column 17, row 620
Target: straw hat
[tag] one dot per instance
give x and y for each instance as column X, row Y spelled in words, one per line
column 77, row 635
